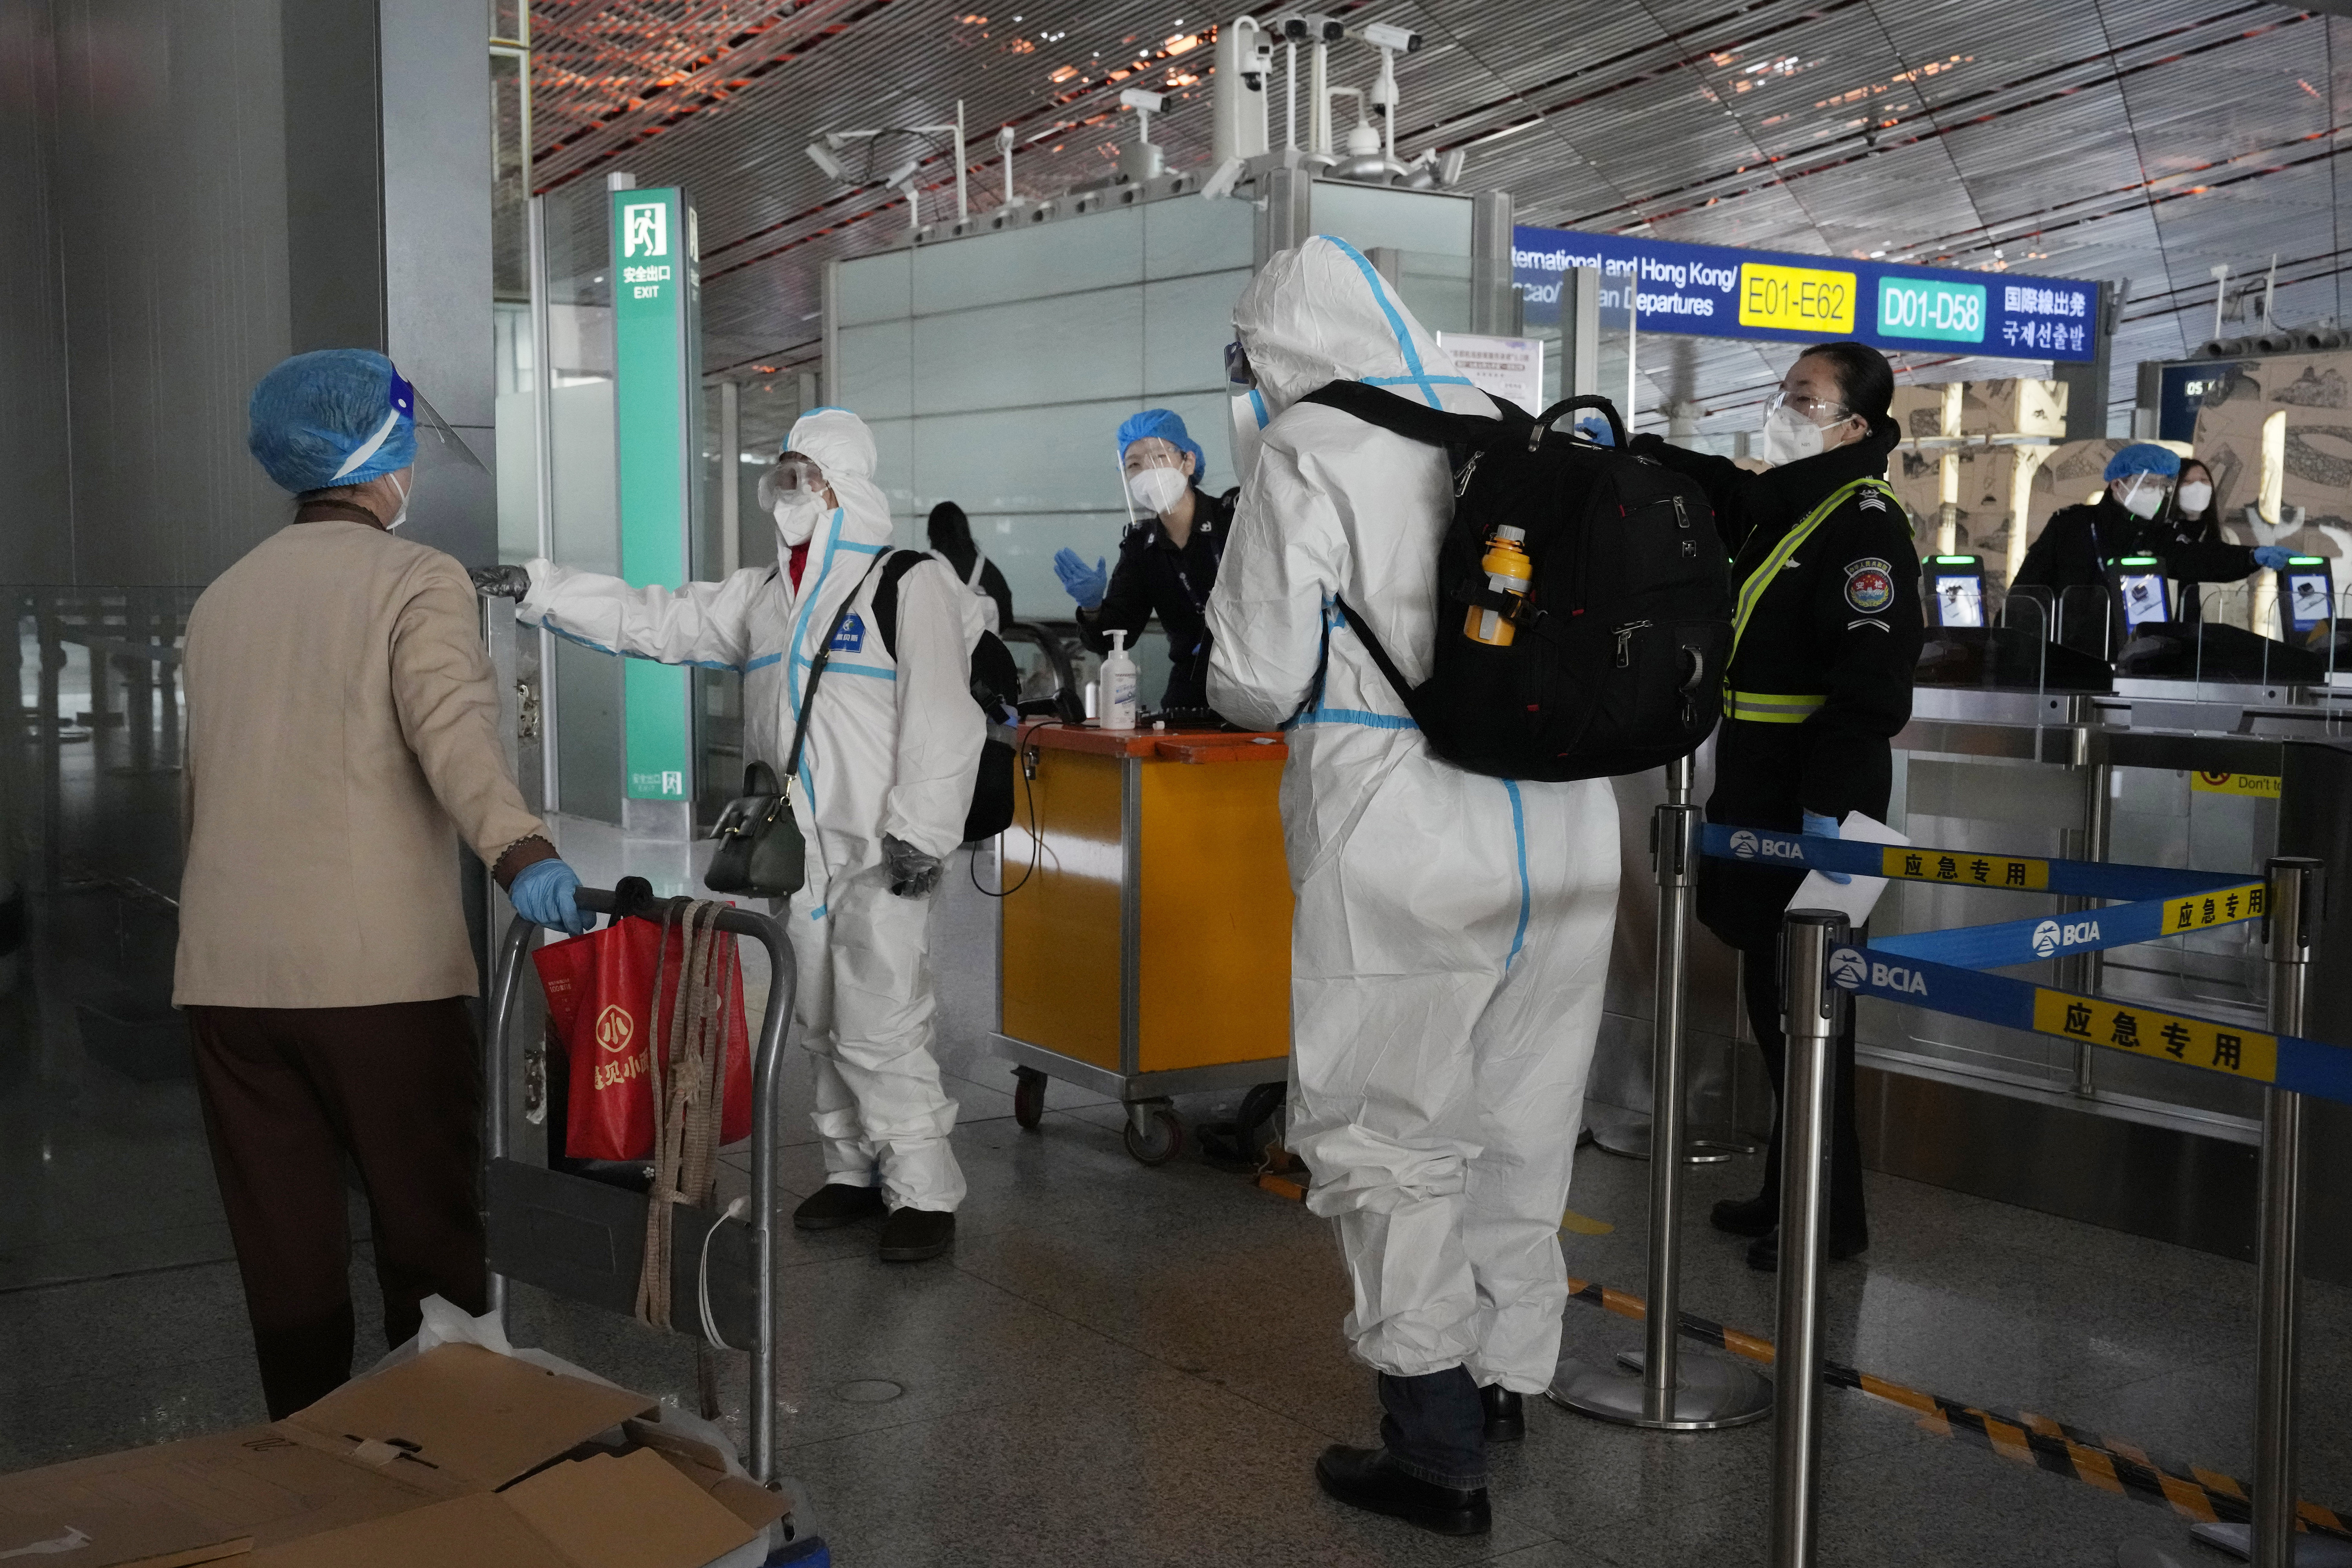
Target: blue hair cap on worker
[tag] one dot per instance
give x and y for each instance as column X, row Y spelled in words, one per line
column 1163, row 423
column 336, row 416
column 2144, row 457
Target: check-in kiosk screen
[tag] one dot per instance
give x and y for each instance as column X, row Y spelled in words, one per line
column 1959, row 600
column 2310, row 597
column 2143, row 596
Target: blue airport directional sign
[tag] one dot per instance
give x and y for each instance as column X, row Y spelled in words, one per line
column 1716, row 291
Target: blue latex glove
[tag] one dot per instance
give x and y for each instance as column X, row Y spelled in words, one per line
column 1595, row 429
column 1826, row 827
column 1085, row 583
column 543, row 892
column 2271, row 557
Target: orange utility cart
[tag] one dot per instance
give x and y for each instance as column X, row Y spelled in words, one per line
column 1148, row 954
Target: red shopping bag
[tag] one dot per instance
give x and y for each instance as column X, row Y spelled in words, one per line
column 599, row 996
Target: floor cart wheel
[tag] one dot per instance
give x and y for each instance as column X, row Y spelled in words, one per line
column 1153, row 1134
column 1028, row 1097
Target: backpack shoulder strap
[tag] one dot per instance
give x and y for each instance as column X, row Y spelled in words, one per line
column 895, row 565
column 1388, row 671
column 1402, row 416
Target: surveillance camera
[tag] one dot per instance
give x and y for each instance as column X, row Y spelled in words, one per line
column 1387, row 35
column 1005, row 139
column 1289, row 25
column 1325, row 29
column 825, row 161
column 1136, row 98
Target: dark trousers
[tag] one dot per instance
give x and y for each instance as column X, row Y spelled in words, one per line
column 1760, row 972
column 287, row 1093
column 1434, row 1427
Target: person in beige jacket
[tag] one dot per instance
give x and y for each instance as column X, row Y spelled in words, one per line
column 343, row 741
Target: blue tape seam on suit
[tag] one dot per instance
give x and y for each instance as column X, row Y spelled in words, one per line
column 2303, row 1066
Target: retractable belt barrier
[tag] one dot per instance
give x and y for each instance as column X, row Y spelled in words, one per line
column 1822, row 966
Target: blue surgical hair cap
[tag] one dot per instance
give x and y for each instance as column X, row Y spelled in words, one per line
column 1163, row 423
column 334, row 416
column 2144, row 457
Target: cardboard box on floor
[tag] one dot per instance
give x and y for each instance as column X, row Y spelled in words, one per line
column 459, row 1458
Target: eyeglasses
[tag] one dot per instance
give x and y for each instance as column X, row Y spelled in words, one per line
column 1807, row 406
column 1239, row 376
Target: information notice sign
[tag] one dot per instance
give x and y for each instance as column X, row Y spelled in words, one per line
column 1715, row 291
column 655, row 444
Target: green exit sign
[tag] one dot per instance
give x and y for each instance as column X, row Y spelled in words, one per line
column 656, row 377
column 1932, row 308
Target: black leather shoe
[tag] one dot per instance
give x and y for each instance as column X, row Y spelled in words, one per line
column 835, row 1205
column 1507, row 1418
column 911, row 1235
column 1764, row 1252
column 1747, row 1217
column 1365, row 1479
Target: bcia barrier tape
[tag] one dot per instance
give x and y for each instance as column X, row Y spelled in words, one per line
column 2304, row 1066
column 1957, row 868
column 2025, row 941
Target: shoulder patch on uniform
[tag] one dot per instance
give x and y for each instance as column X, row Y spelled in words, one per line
column 1872, row 501
column 1869, row 584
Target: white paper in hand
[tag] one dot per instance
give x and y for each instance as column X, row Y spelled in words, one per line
column 1853, row 899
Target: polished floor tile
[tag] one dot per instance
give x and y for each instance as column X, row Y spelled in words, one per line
column 1119, row 1363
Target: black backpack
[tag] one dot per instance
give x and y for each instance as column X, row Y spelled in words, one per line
column 995, row 686
column 1622, row 640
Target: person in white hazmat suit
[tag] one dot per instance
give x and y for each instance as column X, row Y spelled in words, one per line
column 1452, row 929
column 884, row 784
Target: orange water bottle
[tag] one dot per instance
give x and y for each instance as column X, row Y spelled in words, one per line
column 1509, row 570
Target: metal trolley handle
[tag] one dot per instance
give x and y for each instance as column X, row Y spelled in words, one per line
column 634, row 896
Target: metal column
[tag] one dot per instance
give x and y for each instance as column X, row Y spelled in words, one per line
column 1664, row 1390
column 2291, row 928
column 1812, row 1013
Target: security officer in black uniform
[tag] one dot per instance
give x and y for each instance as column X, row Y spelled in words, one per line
column 1829, row 630
column 2134, row 516
column 1167, row 563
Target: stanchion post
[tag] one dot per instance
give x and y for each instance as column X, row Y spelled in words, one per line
column 1813, row 1012
column 1664, row 1392
column 2290, row 922
column 1674, row 847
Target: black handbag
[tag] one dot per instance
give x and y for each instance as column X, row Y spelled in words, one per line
column 761, row 852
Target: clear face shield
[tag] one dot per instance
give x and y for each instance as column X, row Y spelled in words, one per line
column 1155, row 473
column 2144, row 495
column 439, row 448
column 1246, row 409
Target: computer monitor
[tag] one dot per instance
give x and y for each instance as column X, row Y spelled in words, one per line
column 1955, row 590
column 2306, row 597
column 2140, row 592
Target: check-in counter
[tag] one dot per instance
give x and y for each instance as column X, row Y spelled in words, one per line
column 1145, row 926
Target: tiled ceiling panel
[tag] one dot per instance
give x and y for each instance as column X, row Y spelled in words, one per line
column 2144, row 139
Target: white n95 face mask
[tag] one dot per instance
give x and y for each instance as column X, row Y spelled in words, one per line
column 796, row 514
column 1157, row 489
column 2142, row 499
column 1789, row 437
column 2192, row 498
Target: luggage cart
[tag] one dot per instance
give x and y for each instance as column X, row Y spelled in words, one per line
column 634, row 896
